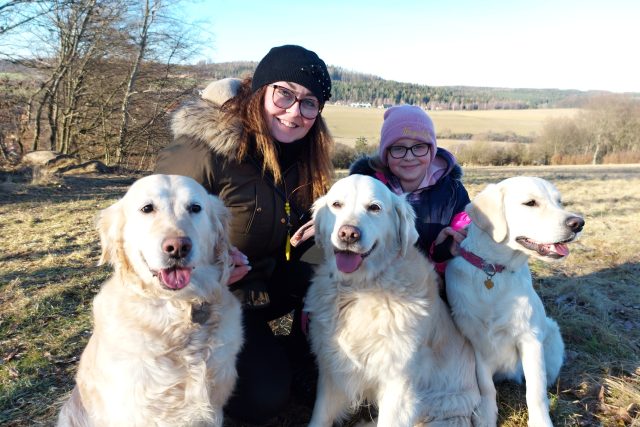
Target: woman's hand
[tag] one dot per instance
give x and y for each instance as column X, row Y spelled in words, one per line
column 240, row 266
column 458, row 237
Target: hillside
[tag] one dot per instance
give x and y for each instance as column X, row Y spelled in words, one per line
column 358, row 88
column 352, row 87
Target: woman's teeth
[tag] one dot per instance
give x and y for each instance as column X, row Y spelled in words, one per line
column 287, row 124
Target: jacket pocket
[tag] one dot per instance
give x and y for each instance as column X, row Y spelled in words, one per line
column 243, row 206
column 253, row 211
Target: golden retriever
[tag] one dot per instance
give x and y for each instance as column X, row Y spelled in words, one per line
column 166, row 328
column 490, row 290
column 378, row 328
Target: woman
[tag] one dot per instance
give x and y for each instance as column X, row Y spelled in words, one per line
column 409, row 161
column 265, row 152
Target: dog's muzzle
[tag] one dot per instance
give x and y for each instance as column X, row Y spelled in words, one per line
column 349, row 261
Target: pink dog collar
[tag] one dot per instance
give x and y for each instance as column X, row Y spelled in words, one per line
column 489, row 269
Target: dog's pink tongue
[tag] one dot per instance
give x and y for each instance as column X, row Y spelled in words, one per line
column 348, row 262
column 553, row 248
column 561, row 249
column 175, row 278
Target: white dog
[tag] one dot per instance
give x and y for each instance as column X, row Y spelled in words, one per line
column 378, row 328
column 166, row 328
column 490, row 290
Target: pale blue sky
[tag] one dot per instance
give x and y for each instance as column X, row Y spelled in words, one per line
column 566, row 44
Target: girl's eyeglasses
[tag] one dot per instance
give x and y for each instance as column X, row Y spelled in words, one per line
column 284, row 98
column 399, row 152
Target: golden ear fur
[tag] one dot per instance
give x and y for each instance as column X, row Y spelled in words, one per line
column 406, row 227
column 219, row 216
column 109, row 224
column 486, row 211
column 319, row 206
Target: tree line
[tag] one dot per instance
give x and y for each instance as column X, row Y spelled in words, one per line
column 354, row 87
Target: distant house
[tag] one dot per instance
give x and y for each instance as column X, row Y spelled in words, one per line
column 360, row 105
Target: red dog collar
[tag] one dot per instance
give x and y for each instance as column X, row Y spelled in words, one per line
column 489, row 269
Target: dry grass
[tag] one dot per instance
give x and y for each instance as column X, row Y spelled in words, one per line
column 48, row 278
column 594, row 294
column 347, row 124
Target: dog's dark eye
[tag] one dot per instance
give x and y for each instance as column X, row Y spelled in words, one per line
column 531, row 203
column 374, row 207
column 194, row 208
column 336, row 204
column 147, row 208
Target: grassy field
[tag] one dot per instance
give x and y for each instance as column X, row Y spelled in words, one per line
column 347, row 124
column 48, row 277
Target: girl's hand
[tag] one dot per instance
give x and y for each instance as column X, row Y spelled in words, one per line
column 240, row 266
column 458, row 237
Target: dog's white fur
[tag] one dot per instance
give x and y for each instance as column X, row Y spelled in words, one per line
column 381, row 333
column 507, row 324
column 160, row 356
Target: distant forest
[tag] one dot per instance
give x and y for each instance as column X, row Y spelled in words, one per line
column 352, row 87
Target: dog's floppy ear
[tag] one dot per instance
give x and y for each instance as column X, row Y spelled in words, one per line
column 319, row 214
column 405, row 223
column 219, row 216
column 486, row 211
column 109, row 224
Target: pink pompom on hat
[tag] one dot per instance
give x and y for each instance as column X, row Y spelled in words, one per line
column 406, row 121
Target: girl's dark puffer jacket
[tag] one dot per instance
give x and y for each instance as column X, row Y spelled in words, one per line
column 434, row 206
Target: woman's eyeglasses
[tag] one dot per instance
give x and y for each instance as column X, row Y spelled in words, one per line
column 399, row 152
column 284, row 98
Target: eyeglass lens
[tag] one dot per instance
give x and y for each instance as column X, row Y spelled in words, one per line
column 284, row 98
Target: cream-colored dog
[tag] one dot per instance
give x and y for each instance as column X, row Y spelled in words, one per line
column 166, row 328
column 378, row 328
column 490, row 290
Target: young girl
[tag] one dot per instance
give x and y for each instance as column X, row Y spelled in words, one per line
column 410, row 162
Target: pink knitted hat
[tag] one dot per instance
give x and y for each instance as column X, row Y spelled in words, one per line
column 406, row 121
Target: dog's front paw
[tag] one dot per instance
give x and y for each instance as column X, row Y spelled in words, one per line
column 486, row 414
column 540, row 420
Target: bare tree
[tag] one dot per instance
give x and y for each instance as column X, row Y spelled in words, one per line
column 158, row 37
column 608, row 124
column 17, row 13
column 149, row 11
column 107, row 72
column 68, row 55
column 613, row 123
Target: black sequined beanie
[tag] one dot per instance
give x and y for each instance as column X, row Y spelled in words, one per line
column 291, row 63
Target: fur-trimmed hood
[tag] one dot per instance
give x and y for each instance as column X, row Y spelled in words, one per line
column 201, row 119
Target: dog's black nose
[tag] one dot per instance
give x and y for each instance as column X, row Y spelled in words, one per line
column 349, row 234
column 177, row 247
column 575, row 223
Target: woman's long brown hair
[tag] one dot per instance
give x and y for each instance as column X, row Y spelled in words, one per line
column 315, row 168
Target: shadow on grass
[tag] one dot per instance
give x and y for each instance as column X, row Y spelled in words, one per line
column 48, row 276
column 37, row 397
column 78, row 187
column 43, row 369
column 35, row 255
column 551, row 173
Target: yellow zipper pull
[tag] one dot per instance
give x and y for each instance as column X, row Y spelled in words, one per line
column 287, row 247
